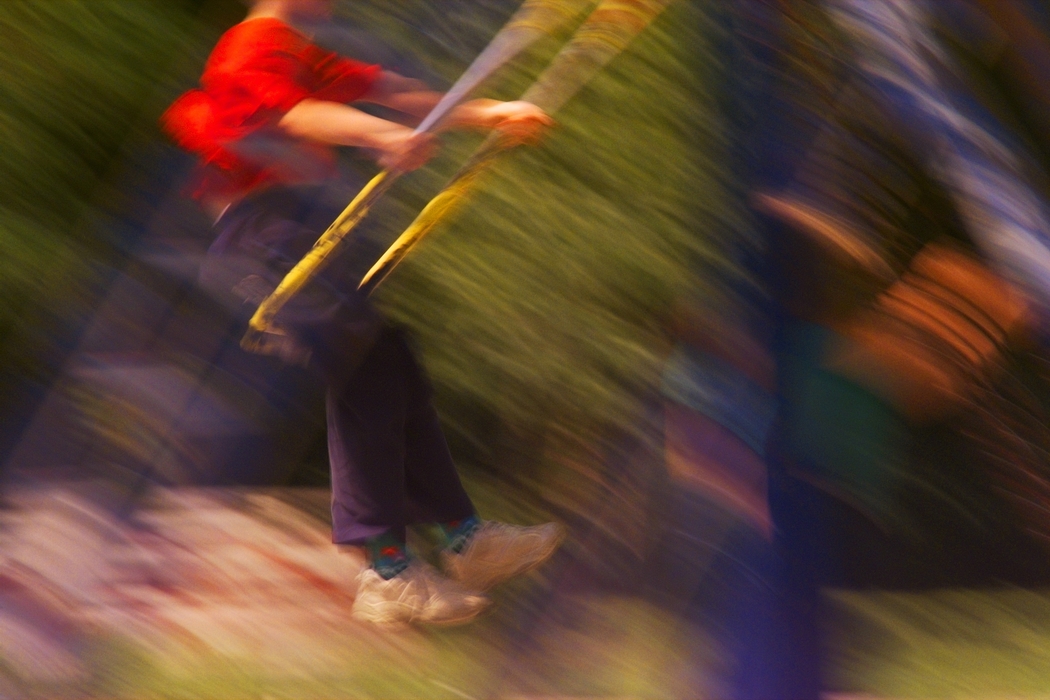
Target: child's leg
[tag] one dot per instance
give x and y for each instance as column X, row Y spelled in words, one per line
column 391, row 467
column 390, row 462
column 433, row 489
column 366, row 447
column 368, row 420
column 259, row 241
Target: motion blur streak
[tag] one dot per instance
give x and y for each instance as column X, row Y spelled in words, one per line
column 762, row 321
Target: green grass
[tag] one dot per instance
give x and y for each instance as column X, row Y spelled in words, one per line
column 943, row 644
column 612, row 646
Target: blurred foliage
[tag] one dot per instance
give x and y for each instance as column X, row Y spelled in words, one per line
column 542, row 302
column 950, row 643
column 76, row 79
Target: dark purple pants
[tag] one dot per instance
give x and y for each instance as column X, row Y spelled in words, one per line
column 390, row 464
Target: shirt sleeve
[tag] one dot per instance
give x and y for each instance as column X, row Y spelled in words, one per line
column 257, row 70
column 340, row 79
column 191, row 123
column 266, row 68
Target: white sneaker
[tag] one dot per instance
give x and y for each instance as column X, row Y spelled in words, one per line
column 419, row 594
column 497, row 552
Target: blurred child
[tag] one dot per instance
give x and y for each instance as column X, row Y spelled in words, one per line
column 270, row 109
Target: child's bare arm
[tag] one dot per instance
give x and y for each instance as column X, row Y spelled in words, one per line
column 398, row 146
column 405, row 95
column 331, row 122
column 522, row 120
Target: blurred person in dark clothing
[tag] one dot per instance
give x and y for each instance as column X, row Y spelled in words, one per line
column 895, row 268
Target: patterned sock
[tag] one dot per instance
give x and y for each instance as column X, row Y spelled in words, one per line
column 457, row 532
column 387, row 554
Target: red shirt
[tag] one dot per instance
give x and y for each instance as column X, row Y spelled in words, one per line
column 258, row 71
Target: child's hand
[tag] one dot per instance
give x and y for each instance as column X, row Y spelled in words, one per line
column 518, row 121
column 406, row 150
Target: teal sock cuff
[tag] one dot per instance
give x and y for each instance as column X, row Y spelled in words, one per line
column 388, row 555
column 457, row 533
